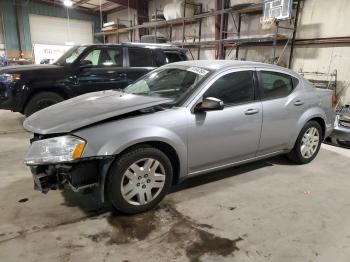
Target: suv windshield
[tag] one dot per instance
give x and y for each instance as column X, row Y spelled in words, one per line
column 173, row 83
column 71, row 55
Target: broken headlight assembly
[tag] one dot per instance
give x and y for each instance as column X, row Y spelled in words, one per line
column 55, row 150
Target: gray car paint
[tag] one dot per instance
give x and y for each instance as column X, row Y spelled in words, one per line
column 87, row 109
column 206, row 141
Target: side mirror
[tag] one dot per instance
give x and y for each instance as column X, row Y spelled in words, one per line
column 209, row 104
column 85, row 64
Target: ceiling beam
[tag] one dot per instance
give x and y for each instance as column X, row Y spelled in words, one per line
column 117, row 9
column 103, row 6
column 80, row 3
column 126, row 3
column 60, row 4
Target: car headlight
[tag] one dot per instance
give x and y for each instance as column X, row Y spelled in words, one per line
column 9, row 77
column 55, row 150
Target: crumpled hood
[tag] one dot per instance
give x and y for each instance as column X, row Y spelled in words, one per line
column 87, row 109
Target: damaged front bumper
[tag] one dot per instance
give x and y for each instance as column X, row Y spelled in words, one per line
column 78, row 176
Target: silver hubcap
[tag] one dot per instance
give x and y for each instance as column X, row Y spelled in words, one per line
column 143, row 181
column 310, row 142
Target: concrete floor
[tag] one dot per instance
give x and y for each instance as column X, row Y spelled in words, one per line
column 267, row 211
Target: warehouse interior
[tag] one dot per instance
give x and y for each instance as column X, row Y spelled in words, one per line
column 269, row 210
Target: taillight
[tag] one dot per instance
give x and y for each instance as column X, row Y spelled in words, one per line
column 334, row 101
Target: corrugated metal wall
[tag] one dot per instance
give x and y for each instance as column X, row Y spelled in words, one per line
column 8, row 10
column 9, row 19
column 2, row 40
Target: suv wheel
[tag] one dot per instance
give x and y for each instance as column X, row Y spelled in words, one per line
column 139, row 179
column 41, row 101
column 308, row 143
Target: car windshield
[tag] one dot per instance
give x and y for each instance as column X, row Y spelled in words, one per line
column 70, row 56
column 172, row 83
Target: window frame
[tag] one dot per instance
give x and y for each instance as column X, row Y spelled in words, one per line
column 260, row 83
column 198, row 96
column 102, row 48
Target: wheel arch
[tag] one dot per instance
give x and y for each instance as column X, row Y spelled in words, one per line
column 322, row 123
column 166, row 148
column 315, row 114
column 34, row 92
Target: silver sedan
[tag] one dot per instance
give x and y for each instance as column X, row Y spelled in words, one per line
column 181, row 120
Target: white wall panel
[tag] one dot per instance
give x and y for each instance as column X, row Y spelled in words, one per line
column 59, row 31
column 323, row 18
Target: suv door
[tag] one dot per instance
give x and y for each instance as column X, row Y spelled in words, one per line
column 140, row 61
column 283, row 105
column 101, row 68
column 219, row 138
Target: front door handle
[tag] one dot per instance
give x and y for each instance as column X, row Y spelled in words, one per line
column 298, row 103
column 73, row 79
column 251, row 111
column 121, row 74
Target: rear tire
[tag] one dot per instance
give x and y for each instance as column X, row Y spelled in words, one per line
column 139, row 179
column 308, row 143
column 40, row 101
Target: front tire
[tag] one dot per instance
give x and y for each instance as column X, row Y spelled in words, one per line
column 40, row 101
column 139, row 179
column 308, row 143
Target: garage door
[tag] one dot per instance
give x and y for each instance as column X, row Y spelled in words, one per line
column 58, row 31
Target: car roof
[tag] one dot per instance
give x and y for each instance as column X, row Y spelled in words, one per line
column 142, row 45
column 224, row 64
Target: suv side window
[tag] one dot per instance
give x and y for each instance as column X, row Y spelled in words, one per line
column 114, row 57
column 105, row 57
column 233, row 88
column 276, row 85
column 172, row 57
column 93, row 56
column 140, row 57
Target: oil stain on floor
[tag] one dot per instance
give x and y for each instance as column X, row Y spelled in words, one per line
column 170, row 230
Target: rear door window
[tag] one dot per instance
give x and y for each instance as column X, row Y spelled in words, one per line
column 140, row 57
column 276, row 85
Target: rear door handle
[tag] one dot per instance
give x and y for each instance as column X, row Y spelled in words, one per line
column 251, row 111
column 298, row 103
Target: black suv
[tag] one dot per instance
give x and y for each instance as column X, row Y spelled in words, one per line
column 82, row 69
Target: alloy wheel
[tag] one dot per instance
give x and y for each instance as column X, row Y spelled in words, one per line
column 143, row 181
column 309, row 142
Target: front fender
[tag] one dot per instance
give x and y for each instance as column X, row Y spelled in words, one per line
column 102, row 141
column 143, row 135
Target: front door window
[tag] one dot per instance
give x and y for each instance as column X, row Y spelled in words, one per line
column 233, row 88
column 104, row 57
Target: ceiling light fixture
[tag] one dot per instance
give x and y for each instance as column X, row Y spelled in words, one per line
column 68, row 3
